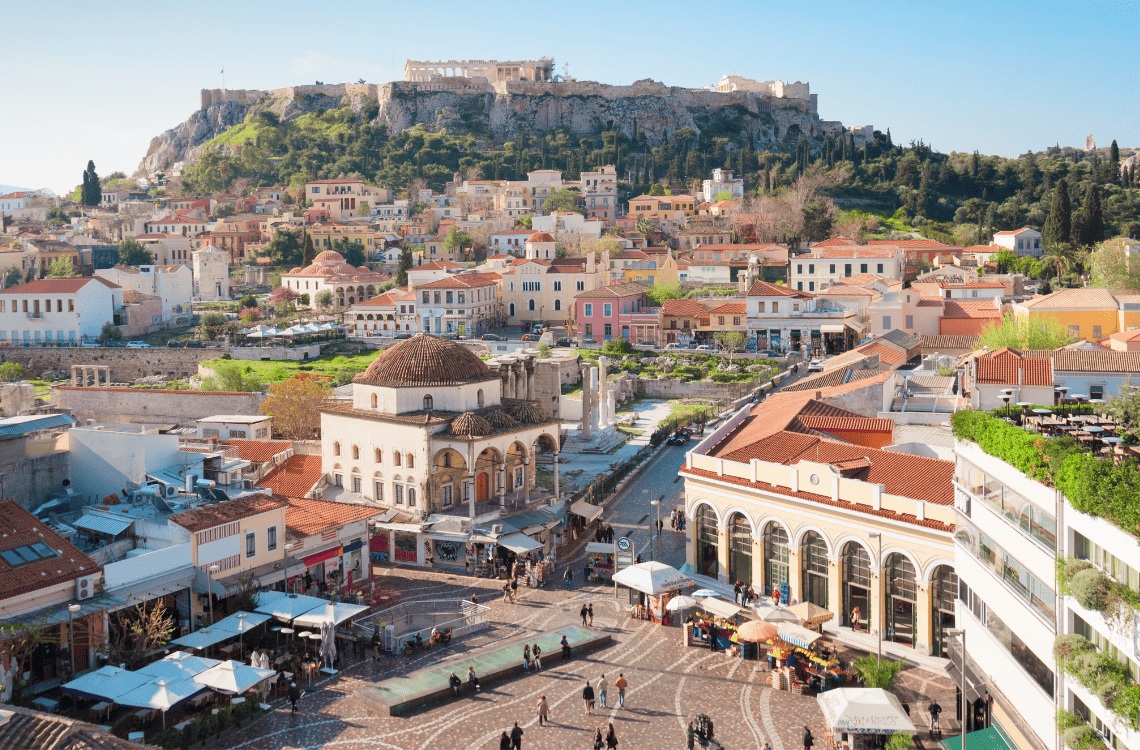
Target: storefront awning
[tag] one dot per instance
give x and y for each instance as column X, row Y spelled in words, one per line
column 719, row 607
column 353, row 546
column 265, row 575
column 797, row 634
column 586, row 510
column 322, row 556
column 975, row 683
column 990, row 738
column 599, row 548
column 520, row 543
column 159, row 584
column 832, row 327
column 104, row 524
column 854, row 325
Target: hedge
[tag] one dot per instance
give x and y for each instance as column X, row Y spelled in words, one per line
column 1108, row 679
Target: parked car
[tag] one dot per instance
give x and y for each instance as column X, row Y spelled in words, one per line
column 193, row 344
column 816, row 365
column 703, row 348
column 173, row 344
column 90, row 345
column 676, row 440
column 673, row 347
column 402, row 336
column 565, row 342
column 530, row 337
column 768, row 353
column 137, row 345
column 116, row 345
column 490, row 337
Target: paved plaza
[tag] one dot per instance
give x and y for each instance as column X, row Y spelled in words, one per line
column 668, row 685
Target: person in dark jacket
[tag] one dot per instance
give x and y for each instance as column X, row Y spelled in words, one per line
column 376, row 643
column 588, row 697
column 472, row 680
column 294, row 696
column 690, row 736
column 599, row 741
column 611, row 738
column 504, row 741
column 516, row 737
column 455, row 683
column 565, row 644
column 808, row 739
column 583, row 613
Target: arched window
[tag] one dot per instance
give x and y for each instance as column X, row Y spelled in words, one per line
column 373, row 400
column 558, row 285
column 428, row 401
column 411, row 497
column 411, row 461
column 396, row 458
column 447, row 460
column 530, row 305
column 856, row 585
column 378, row 455
column 511, row 312
column 336, row 448
column 813, row 556
column 775, row 556
column 557, row 304
column 479, row 398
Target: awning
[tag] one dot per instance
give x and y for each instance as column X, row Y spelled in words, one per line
column 159, row 584
column 412, row 528
column 586, row 510
column 863, row 711
column 232, row 678
column 975, row 683
column 353, row 546
column 652, row 578
column 336, row 613
column 106, row 683
column 719, row 607
column 990, row 738
column 832, row 327
column 247, row 621
column 266, row 575
column 854, row 325
column 797, row 635
column 286, row 606
column 599, row 548
column 520, row 543
column 204, row 638
column 104, row 524
column 322, row 556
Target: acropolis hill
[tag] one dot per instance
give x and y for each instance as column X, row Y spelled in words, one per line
column 500, row 100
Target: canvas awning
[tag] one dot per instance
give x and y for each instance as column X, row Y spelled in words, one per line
column 161, row 695
column 586, row 510
column 990, row 738
column 832, row 327
column 232, row 677
column 243, row 624
column 180, row 665
column 797, row 635
column 287, row 606
column 652, row 578
column 265, row 575
column 520, row 543
column 104, row 524
column 204, row 638
column 719, row 607
column 599, row 548
column 863, row 711
column 336, row 613
column 106, row 683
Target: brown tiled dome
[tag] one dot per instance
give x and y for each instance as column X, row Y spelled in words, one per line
column 425, row 360
column 540, row 237
column 470, row 425
column 329, row 256
column 500, row 420
column 527, row 413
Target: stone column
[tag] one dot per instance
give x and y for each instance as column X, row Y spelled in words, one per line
column 557, row 493
column 503, row 486
column 595, row 402
column 603, row 393
column 471, row 494
column 923, row 630
column 529, row 374
column 758, row 581
column 835, row 588
column 73, row 376
column 722, row 542
column 526, row 479
column 519, row 371
column 795, row 573
column 587, row 406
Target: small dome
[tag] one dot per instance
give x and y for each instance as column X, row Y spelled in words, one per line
column 470, row 425
column 540, row 237
column 425, row 360
column 500, row 420
column 527, row 413
column 295, row 270
column 329, row 256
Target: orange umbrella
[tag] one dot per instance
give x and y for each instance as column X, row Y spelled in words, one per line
column 756, row 631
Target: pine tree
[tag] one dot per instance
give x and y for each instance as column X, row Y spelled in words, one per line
column 1089, row 229
column 405, row 264
column 1059, row 224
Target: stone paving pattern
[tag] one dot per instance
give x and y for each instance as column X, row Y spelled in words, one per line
column 668, row 685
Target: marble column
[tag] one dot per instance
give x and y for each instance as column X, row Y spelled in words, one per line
column 595, row 402
column 557, row 494
column 503, row 486
column 471, row 494
column 603, row 393
column 526, row 479
column 73, row 376
column 520, row 379
column 835, row 588
column 529, row 375
column 587, row 406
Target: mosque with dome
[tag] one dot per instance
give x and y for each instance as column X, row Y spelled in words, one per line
column 329, row 270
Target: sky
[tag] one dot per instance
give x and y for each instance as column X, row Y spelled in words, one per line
column 1000, row 77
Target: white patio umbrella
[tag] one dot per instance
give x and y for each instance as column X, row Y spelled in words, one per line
column 704, row 594
column 161, row 695
column 680, row 602
column 232, row 678
column 241, row 623
column 652, row 578
column 106, row 683
column 334, row 612
column 180, row 665
column 776, row 615
column 863, row 711
column 288, row 606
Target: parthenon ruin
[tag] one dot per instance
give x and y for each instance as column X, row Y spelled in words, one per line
column 491, row 70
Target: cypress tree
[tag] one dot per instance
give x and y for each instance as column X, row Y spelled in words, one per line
column 405, row 264
column 1114, row 162
column 1090, row 226
column 1059, row 224
column 92, row 194
column 308, row 253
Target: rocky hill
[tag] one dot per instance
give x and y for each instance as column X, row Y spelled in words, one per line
column 501, row 111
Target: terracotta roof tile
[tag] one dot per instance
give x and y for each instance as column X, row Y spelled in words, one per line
column 462, row 281
column 20, row 528
column 917, row 244
column 762, row 288
column 209, row 516
column 613, row 291
column 729, row 308
column 425, row 360
column 971, row 284
column 1087, row 298
column 956, row 308
column 930, row 302
column 259, row 451
column 684, row 308
column 836, row 242
column 57, row 286
column 305, row 517
column 1088, row 360
column 886, row 354
column 1007, row 367
column 1014, row 231
column 295, row 477
column 947, row 341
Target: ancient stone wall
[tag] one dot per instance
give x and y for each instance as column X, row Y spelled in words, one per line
column 126, row 364
column 674, row 388
column 210, row 97
column 143, row 406
column 29, row 480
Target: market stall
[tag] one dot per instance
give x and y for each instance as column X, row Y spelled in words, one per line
column 715, row 623
column 600, row 558
column 654, row 582
column 811, row 616
column 855, row 714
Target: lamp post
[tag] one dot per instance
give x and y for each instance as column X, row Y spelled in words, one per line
column 214, row 569
column 881, row 610
column 954, row 633
column 71, row 610
column 653, row 532
column 656, row 525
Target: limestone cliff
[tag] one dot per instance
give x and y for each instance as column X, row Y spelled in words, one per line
column 501, row 111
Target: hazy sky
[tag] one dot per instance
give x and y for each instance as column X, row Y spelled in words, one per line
column 99, row 81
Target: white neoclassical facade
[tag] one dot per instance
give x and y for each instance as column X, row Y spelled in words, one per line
column 773, row 500
column 328, row 270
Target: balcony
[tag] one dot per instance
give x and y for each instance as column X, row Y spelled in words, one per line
column 33, row 315
column 817, row 313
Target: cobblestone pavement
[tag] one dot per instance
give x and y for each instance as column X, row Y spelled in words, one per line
column 669, row 685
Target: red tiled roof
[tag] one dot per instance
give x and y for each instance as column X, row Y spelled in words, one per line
column 259, row 451
column 305, row 517
column 950, row 341
column 886, row 354
column 1088, row 360
column 971, row 285
column 20, row 528
column 848, row 290
column 849, row 424
column 57, row 286
column 686, row 308
column 957, row 308
column 209, row 516
column 1007, row 367
column 1015, row 231
column 386, row 299
column 914, row 244
column 462, row 281
column 729, row 308
column 436, row 265
column 295, row 477
column 929, row 302
column 540, row 237
column 836, row 242
column 614, row 291
column 762, row 288
column 849, row 251
column 1085, row 298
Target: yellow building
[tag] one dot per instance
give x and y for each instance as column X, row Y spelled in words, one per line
column 324, row 235
column 783, row 495
column 1086, row 313
column 672, row 207
column 655, row 269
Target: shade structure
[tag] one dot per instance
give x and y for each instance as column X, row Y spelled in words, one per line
column 586, row 510
column 335, row 613
column 232, row 677
column 719, row 607
column 796, row 634
column 247, row 622
column 810, row 614
column 990, row 738
column 106, row 683
column 599, row 548
column 704, row 594
column 287, row 606
column 680, row 602
column 204, row 638
column 755, row 631
column 161, row 695
column 652, row 578
column 520, row 543
column 776, row 614
column 863, row 711
column 180, row 665
column 262, row 332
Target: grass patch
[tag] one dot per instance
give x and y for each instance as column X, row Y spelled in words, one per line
column 630, row 430
column 275, row 371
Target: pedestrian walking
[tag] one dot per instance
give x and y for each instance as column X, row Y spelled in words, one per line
column 808, row 739
column 775, row 596
column 690, row 736
column 569, row 577
column 294, row 696
column 507, row 592
column 583, row 613
column 376, row 644
column 543, row 711
column 767, row 746
column 516, row 737
column 505, row 741
column 590, row 610
column 856, row 616
column 455, row 683
column 736, row 593
column 934, row 710
column 515, row 589
column 611, row 738
column 603, row 688
column 621, row 683
column 599, row 741
column 526, row 658
column 472, row 680
column 588, row 697
column 536, row 652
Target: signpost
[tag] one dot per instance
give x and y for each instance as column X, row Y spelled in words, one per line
column 625, row 553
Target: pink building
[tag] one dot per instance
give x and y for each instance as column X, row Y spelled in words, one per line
column 616, row 311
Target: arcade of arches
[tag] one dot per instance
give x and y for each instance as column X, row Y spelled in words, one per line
column 833, row 566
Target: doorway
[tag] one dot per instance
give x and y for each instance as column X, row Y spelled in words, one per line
column 856, row 586
column 739, row 549
column 901, row 600
column 481, row 486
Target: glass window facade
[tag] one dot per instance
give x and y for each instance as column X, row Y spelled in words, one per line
column 1037, row 523
column 775, row 556
column 1008, row 639
column 1005, row 567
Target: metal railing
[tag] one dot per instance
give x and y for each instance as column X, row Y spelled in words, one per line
column 465, row 617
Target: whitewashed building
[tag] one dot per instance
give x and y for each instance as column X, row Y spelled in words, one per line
column 58, row 310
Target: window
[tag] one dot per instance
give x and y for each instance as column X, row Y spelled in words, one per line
column 446, row 498
column 910, row 321
column 886, row 322
column 356, row 484
column 336, row 448
column 811, row 268
column 607, row 310
column 760, row 306
column 396, row 458
column 831, row 269
column 846, row 269
column 271, row 538
column 411, row 497
column 736, row 320
column 1096, row 332
column 427, row 297
column 1096, row 391
column 379, row 488
column 775, row 307
column 588, row 310
column 411, row 461
column 1075, row 332
column 399, row 488
column 799, row 286
column 558, row 285
column 799, row 268
column 862, row 268
column 479, row 398
column 338, row 480
column 373, row 400
column 356, row 452
column 811, row 286
column 609, row 331
column 428, row 403
column 557, row 304
column 250, row 544
column 720, row 320
column 581, row 286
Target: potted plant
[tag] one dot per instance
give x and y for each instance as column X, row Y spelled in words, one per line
column 209, row 728
column 225, row 721
column 191, row 733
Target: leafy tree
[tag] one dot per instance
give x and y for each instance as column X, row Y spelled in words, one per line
column 109, row 333
column 1043, row 332
column 295, row 406
column 21, row 641
column 12, row 278
column 250, row 314
column 224, row 211
column 62, row 268
column 645, row 226
column 11, row 371
column 565, row 201
column 724, row 195
column 1056, row 257
column 405, row 264
column 1005, row 260
column 284, row 249
column 142, row 630
column 213, row 323
column 455, row 241
column 363, row 210
column 134, row 253
column 304, row 300
column 878, row 674
column 819, row 215
column 658, row 293
column 1112, row 268
column 248, row 300
column 730, row 343
column 353, row 252
column 1133, row 231
column 1125, row 406
column 1059, row 225
column 658, row 189
column 523, row 222
column 232, row 375
column 324, row 299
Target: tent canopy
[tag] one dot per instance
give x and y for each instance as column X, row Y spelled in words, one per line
column 520, row 543
column 599, row 548
column 797, row 634
column 287, row 606
column 330, row 612
column 106, row 683
column 776, row 614
column 161, row 695
column 863, row 711
column 232, row 677
column 247, row 622
column 652, row 578
column 586, row 510
column 809, row 613
column 990, row 738
column 180, row 665
column 204, row 637
column 719, row 607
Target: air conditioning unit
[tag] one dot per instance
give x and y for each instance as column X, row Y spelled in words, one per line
column 84, row 588
column 170, row 490
column 497, row 529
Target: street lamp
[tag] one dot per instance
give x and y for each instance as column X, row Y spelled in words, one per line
column 656, row 526
column 653, row 533
column 210, row 592
column 71, row 610
column 954, row 633
column 880, row 611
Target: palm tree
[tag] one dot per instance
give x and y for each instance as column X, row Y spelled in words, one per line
column 1057, row 257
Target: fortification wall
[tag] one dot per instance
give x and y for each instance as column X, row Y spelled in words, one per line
column 143, row 406
column 210, row 97
column 125, row 364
